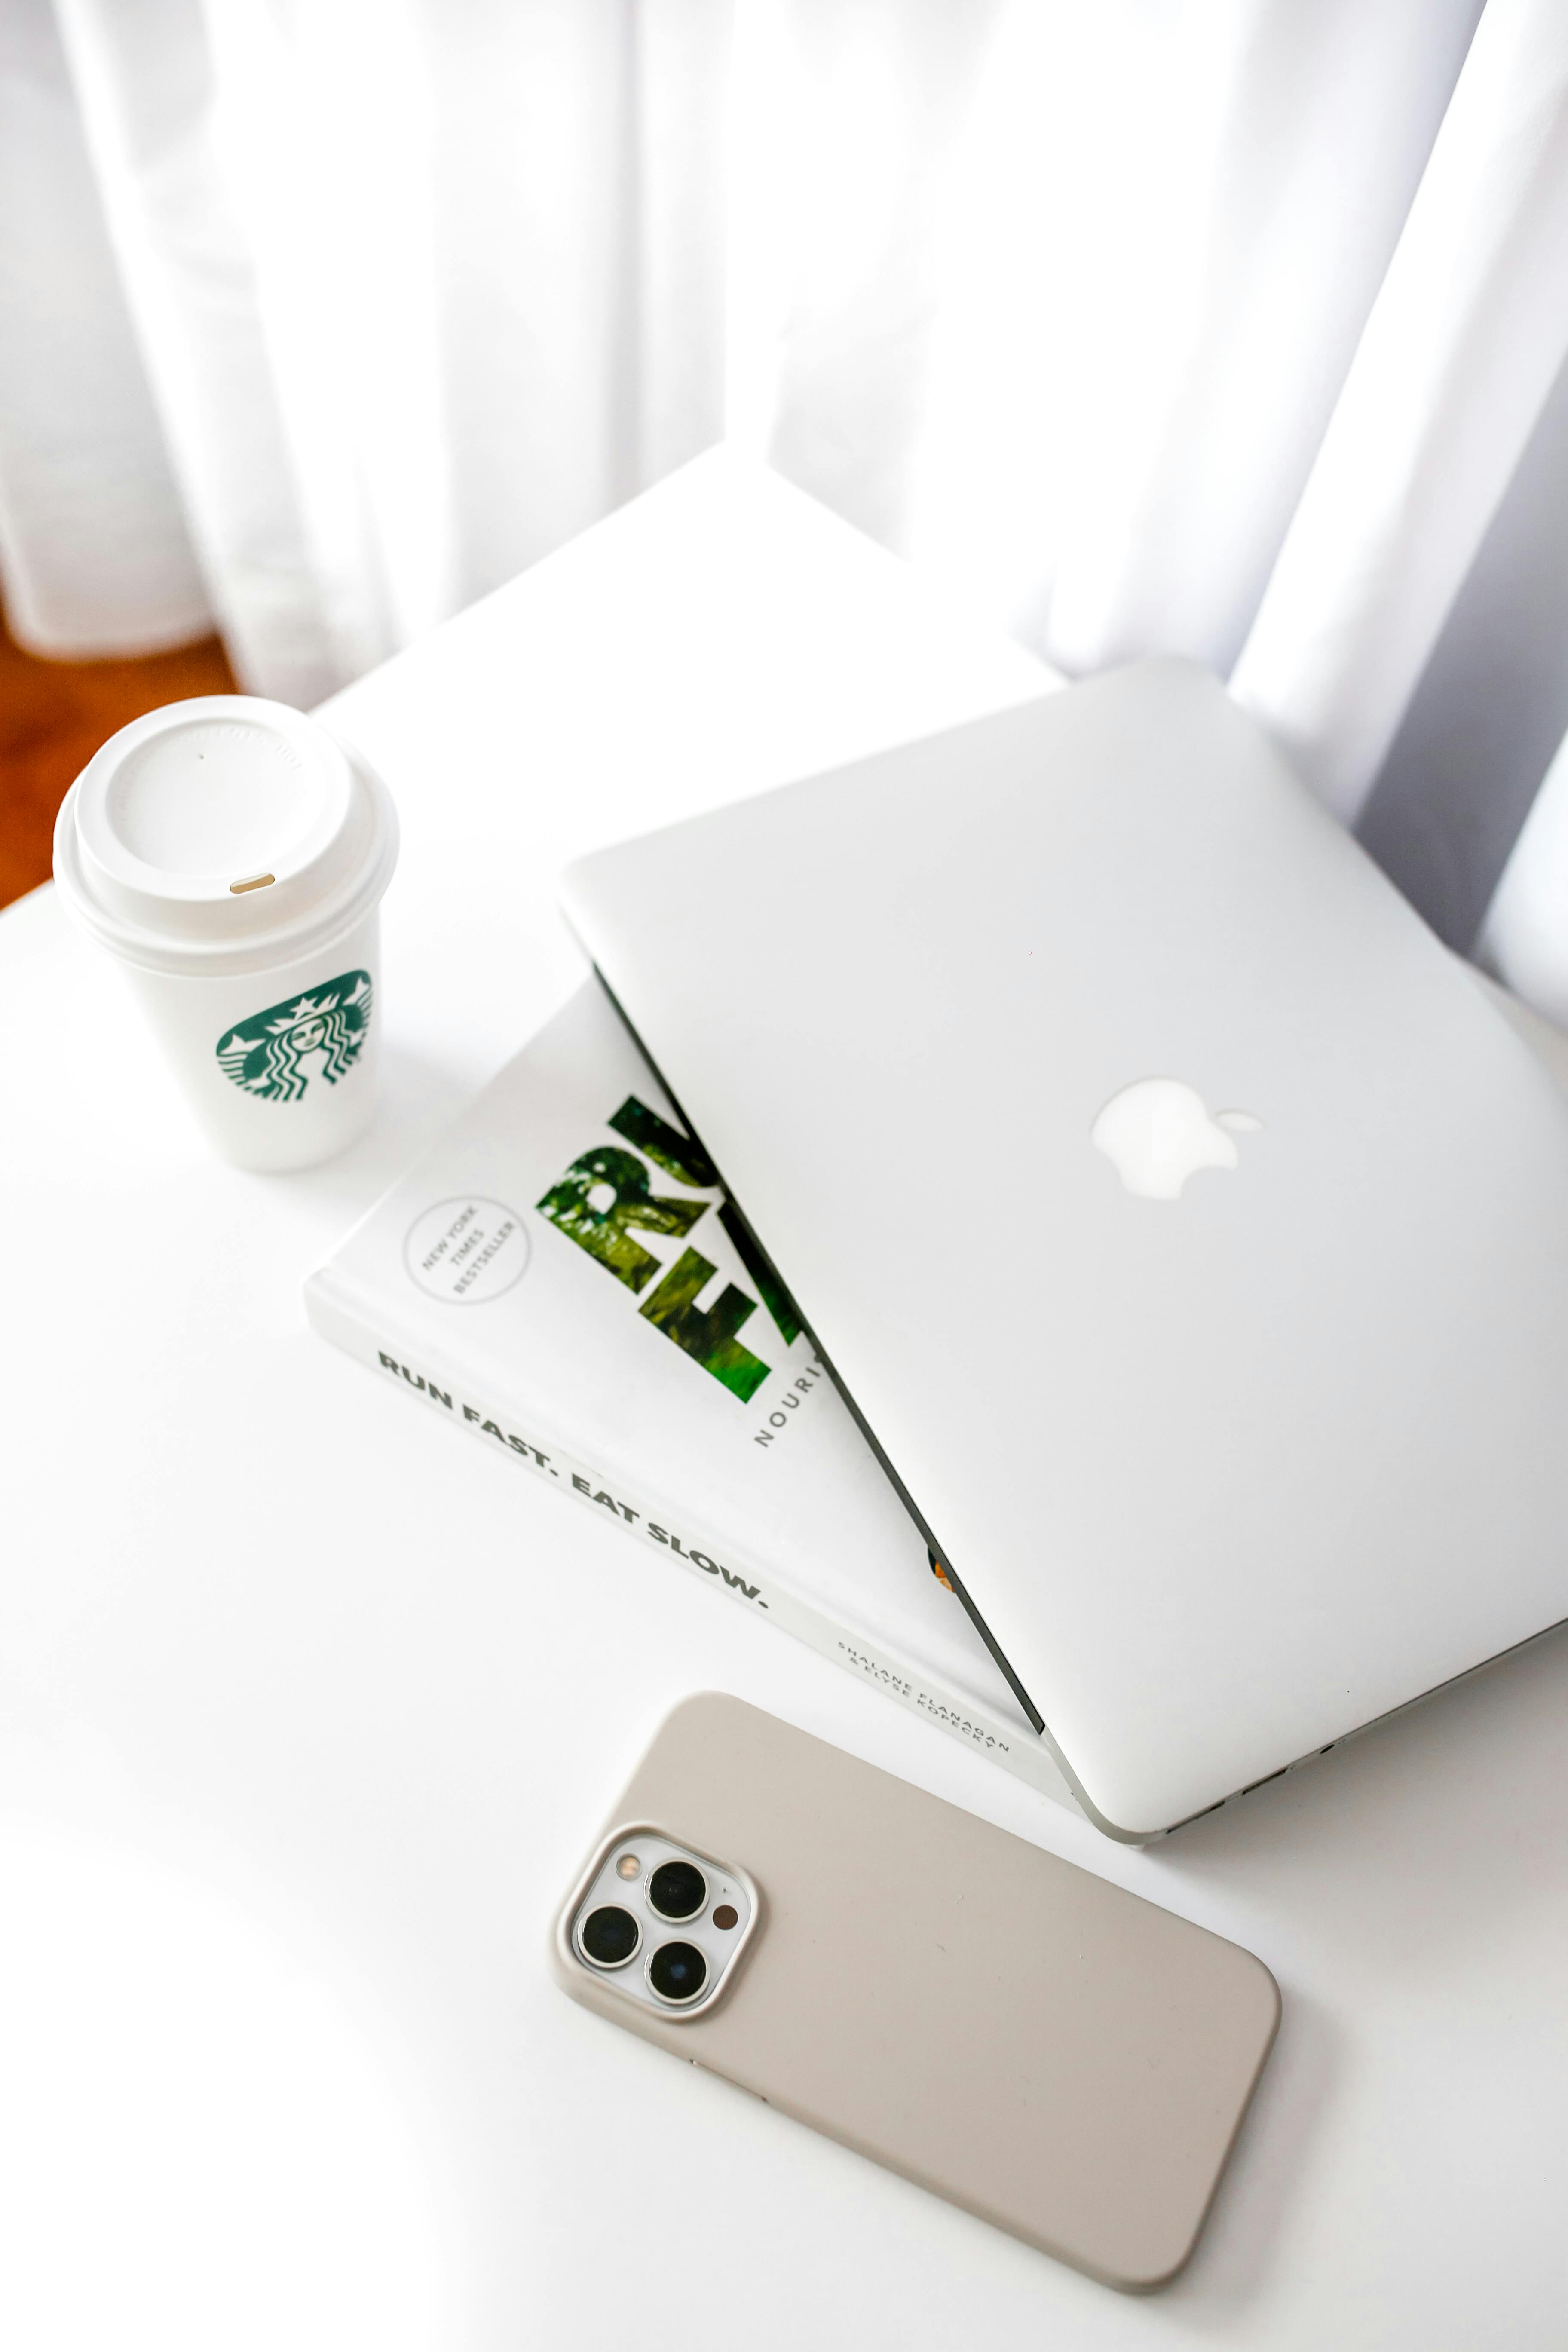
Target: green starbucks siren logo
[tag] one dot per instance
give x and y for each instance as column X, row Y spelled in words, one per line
column 266, row 1054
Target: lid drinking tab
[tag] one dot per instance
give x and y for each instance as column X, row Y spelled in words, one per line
column 216, row 821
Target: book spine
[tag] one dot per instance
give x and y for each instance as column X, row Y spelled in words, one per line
column 422, row 1374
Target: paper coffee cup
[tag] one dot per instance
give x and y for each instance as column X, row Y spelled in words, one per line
column 232, row 858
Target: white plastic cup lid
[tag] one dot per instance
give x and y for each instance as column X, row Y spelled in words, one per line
column 219, row 832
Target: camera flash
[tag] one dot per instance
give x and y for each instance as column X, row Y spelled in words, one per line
column 725, row 1916
column 628, row 1866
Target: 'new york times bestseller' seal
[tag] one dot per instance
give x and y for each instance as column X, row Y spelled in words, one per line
column 276, row 1053
column 467, row 1250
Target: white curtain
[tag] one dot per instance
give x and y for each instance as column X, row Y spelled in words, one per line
column 1237, row 327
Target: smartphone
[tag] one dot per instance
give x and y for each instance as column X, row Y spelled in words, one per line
column 1059, row 2057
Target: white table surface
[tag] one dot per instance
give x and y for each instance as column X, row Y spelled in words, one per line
column 308, row 1707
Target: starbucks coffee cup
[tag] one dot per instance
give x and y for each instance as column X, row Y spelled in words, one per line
column 231, row 858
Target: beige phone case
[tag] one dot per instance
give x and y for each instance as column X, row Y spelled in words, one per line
column 1059, row 2057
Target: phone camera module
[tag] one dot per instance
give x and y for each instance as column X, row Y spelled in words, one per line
column 677, row 1973
column 678, row 1890
column 609, row 1936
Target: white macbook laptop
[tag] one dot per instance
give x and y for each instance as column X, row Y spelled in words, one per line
column 1186, row 1226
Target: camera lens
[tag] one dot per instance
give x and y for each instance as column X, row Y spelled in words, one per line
column 609, row 1935
column 678, row 1890
column 678, row 1972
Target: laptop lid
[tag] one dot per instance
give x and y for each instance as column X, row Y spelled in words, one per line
column 1186, row 1229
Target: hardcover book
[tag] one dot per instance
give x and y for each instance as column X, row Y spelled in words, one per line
column 560, row 1277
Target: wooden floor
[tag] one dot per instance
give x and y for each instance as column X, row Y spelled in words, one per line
column 53, row 716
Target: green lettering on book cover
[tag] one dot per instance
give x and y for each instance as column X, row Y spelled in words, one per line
column 266, row 1054
column 602, row 1199
column 774, row 1297
column 684, row 1159
column 675, row 1152
column 709, row 1337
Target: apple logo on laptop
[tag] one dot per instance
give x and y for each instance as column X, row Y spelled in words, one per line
column 1156, row 1133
